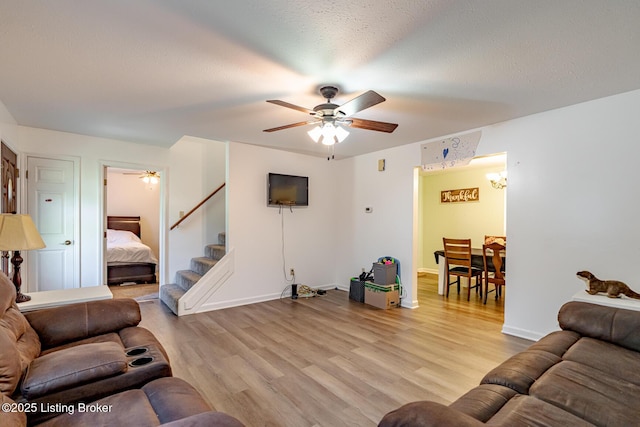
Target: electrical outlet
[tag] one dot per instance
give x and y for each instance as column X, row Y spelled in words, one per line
column 292, row 272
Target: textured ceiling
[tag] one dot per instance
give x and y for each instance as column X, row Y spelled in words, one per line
column 151, row 71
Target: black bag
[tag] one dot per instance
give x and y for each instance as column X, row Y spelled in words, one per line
column 366, row 277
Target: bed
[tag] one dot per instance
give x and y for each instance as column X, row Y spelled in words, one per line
column 128, row 259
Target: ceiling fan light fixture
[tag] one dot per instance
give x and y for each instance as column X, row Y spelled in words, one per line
column 315, row 133
column 328, row 134
column 150, row 177
column 341, row 133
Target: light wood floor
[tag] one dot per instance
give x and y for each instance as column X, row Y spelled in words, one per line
column 329, row 361
column 133, row 291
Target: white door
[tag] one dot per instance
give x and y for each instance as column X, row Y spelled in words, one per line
column 50, row 202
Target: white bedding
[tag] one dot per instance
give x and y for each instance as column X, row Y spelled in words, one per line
column 124, row 246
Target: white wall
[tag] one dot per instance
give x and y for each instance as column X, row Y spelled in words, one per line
column 254, row 230
column 93, row 153
column 8, row 128
column 571, row 205
column 215, row 173
column 198, row 166
column 388, row 230
column 128, row 195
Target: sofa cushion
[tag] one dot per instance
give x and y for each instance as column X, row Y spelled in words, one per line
column 208, row 419
column 110, row 337
column 484, row 401
column 128, row 408
column 528, row 411
column 615, row 325
column 557, row 342
column 162, row 401
column 590, row 394
column 73, row 367
column 60, row 325
column 521, row 370
column 609, row 358
column 174, row 399
column 425, row 414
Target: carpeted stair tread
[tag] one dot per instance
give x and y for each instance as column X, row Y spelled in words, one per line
column 201, row 265
column 214, row 251
column 170, row 295
column 187, row 278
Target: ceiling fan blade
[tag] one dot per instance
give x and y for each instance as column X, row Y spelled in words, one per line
column 292, row 106
column 292, row 125
column 372, row 125
column 359, row 103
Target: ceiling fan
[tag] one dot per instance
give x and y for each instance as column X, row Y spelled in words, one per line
column 149, row 177
column 330, row 116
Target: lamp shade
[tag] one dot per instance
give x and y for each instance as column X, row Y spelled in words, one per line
column 19, row 233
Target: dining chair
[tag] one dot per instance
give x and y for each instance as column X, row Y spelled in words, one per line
column 495, row 239
column 457, row 256
column 492, row 252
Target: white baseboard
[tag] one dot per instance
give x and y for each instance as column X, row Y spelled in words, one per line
column 261, row 298
column 522, row 333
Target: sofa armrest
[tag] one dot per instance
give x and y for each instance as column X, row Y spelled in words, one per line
column 425, row 413
column 206, row 419
column 9, row 415
column 615, row 325
column 60, row 325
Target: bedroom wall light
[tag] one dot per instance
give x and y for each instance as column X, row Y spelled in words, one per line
column 498, row 180
column 328, row 133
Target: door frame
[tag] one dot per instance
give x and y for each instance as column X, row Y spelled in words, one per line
column 162, row 212
column 24, row 162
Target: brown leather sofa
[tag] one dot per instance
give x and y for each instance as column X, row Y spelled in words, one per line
column 55, row 365
column 584, row 375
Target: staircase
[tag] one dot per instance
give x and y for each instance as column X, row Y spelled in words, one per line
column 170, row 294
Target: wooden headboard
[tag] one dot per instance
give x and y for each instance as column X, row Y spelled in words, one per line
column 127, row 223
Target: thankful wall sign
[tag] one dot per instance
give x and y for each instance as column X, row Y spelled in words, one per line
column 462, row 195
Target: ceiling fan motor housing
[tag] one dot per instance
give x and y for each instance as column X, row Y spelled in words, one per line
column 325, row 110
column 328, row 92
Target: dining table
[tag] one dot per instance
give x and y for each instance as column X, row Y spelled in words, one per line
column 476, row 262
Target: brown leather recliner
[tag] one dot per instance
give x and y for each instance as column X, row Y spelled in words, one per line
column 170, row 402
column 74, row 353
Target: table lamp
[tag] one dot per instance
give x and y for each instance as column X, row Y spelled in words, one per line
column 18, row 233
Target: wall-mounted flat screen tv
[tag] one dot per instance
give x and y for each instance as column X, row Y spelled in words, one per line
column 287, row 190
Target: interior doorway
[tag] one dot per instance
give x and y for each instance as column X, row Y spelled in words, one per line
column 470, row 219
column 133, row 238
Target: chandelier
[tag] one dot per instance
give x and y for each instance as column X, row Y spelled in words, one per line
column 498, row 180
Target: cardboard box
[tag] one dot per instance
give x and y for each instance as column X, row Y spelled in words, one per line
column 380, row 299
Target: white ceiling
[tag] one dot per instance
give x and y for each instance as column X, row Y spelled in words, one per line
column 151, row 71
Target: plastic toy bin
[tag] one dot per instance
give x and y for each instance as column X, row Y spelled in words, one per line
column 384, row 274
